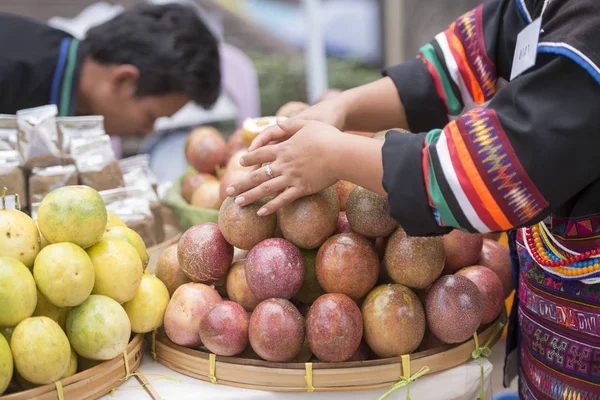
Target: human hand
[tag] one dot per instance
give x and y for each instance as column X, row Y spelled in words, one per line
column 331, row 112
column 303, row 165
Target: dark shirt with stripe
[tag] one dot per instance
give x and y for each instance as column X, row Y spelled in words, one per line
column 29, row 60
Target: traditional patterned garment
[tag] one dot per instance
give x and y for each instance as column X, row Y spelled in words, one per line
column 559, row 330
column 494, row 155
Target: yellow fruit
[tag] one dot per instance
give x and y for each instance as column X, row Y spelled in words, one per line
column 98, row 329
column 6, row 364
column 18, row 295
column 118, row 269
column 74, row 214
column 46, row 309
column 40, row 349
column 19, row 237
column 147, row 308
column 253, row 126
column 64, row 274
column 131, row 237
column 113, row 221
column 72, row 368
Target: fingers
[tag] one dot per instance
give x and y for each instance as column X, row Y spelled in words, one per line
column 284, row 129
column 258, row 156
column 291, row 126
column 267, row 188
column 250, row 181
column 285, row 198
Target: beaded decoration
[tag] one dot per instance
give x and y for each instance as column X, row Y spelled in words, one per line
column 559, row 261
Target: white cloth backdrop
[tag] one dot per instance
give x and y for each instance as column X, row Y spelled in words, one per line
column 460, row 383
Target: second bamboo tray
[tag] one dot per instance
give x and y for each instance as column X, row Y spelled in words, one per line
column 91, row 383
column 326, row 377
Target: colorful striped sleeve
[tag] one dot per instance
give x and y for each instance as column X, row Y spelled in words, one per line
column 502, row 166
column 480, row 184
column 457, row 71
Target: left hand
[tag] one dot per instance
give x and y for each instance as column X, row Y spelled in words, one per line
column 302, row 165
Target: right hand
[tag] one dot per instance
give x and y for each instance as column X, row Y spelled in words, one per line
column 330, row 112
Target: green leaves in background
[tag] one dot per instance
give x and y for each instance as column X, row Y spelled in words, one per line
column 282, row 79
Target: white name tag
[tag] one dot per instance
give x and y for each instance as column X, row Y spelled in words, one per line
column 526, row 48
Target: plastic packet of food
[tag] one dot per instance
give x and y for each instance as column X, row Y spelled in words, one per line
column 134, row 162
column 8, row 132
column 96, row 162
column 44, row 180
column 12, row 175
column 71, row 128
column 133, row 208
column 137, row 173
column 138, row 179
column 38, row 141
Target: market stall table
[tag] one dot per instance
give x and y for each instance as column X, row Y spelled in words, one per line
column 459, row 383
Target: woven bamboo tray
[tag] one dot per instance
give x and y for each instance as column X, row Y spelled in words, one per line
column 91, row 383
column 326, row 377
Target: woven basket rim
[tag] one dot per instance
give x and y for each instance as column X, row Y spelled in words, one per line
column 289, row 377
column 88, row 374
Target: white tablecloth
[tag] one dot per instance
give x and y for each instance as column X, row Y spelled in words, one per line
column 460, row 383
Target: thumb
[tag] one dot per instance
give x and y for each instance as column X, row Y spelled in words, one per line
column 291, row 125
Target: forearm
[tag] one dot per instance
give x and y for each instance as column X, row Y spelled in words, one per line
column 372, row 107
column 358, row 160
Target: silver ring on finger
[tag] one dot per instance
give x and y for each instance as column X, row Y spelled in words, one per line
column 269, row 171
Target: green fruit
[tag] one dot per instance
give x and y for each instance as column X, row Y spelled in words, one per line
column 6, row 364
column 64, row 273
column 147, row 308
column 74, row 214
column 113, row 220
column 40, row 349
column 19, row 237
column 118, row 269
column 18, row 294
column 98, row 329
column 131, row 237
column 72, row 368
column 46, row 309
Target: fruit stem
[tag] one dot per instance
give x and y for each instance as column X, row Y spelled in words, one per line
column 218, row 171
column 17, row 202
column 4, row 198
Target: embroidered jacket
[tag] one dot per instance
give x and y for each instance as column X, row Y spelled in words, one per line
column 493, row 155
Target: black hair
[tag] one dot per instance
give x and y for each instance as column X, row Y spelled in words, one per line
column 171, row 46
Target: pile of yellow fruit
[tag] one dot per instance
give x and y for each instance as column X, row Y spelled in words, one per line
column 72, row 288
